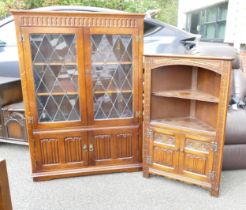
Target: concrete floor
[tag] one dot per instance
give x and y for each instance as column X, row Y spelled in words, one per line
column 115, row 191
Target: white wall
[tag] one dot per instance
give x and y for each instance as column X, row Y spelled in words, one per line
column 236, row 23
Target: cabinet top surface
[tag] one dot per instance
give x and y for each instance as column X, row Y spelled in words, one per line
column 6, row 80
column 187, row 56
column 75, row 13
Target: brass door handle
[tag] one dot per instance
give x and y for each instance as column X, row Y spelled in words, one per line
column 91, row 148
column 85, row 148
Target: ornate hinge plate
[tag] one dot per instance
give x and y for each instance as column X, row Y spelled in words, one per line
column 212, row 175
column 22, row 38
column 214, row 146
column 149, row 160
column 30, row 120
column 149, row 133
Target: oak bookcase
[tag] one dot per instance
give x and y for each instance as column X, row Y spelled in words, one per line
column 184, row 117
column 81, row 78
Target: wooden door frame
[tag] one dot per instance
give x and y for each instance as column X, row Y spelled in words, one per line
column 30, row 88
column 135, row 73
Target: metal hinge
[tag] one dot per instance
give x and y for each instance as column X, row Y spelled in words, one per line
column 212, row 175
column 30, row 120
column 149, row 160
column 149, row 133
column 215, row 146
column 137, row 114
column 22, row 38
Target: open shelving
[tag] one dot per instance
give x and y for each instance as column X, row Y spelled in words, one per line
column 185, row 97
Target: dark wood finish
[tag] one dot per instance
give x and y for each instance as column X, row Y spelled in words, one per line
column 185, row 114
column 5, row 198
column 87, row 145
column 10, row 92
column 14, row 123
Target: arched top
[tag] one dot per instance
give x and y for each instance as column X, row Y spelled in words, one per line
column 211, row 65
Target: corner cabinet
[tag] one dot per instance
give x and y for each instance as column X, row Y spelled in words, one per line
column 82, row 84
column 184, row 118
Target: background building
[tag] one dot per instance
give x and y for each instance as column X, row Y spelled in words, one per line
column 215, row 20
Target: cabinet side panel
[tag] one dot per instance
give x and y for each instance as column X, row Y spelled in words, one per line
column 207, row 112
column 162, row 107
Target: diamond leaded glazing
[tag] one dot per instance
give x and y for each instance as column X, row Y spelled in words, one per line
column 112, row 76
column 56, row 77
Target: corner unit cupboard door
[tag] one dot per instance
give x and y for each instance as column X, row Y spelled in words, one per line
column 196, row 157
column 59, row 151
column 189, row 155
column 54, row 73
column 164, row 147
column 112, row 67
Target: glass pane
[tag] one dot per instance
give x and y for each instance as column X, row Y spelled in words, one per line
column 221, row 30
column 112, row 76
column 210, row 31
column 211, row 14
column 56, row 77
column 222, row 12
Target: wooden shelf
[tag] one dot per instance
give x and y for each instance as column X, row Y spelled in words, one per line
column 113, row 91
column 186, row 123
column 188, row 94
column 55, row 63
column 57, row 93
column 112, row 62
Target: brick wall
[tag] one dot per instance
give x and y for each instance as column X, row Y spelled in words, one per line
column 243, row 59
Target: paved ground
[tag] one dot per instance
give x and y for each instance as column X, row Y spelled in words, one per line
column 115, row 191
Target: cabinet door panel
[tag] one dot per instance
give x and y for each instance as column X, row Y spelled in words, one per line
column 60, row 151
column 196, row 158
column 115, row 146
column 164, row 150
column 56, row 82
column 113, row 76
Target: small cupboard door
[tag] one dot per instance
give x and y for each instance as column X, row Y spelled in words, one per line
column 60, row 151
column 196, row 157
column 112, row 76
column 55, row 76
column 113, row 146
column 164, row 150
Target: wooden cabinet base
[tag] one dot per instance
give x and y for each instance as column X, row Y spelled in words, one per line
column 207, row 186
column 45, row 176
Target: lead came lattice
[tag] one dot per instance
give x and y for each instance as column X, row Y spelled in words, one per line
column 112, row 76
column 56, row 76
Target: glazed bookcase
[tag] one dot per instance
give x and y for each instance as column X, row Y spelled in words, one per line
column 82, row 84
column 184, row 118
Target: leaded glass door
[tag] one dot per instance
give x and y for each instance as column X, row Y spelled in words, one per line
column 113, row 71
column 57, row 92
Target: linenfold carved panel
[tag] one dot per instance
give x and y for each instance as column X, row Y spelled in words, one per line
column 49, row 151
column 73, row 149
column 124, row 145
column 102, row 146
column 63, row 21
column 164, row 156
column 195, row 164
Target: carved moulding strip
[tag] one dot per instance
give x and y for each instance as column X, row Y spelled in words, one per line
column 213, row 65
column 61, row 21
